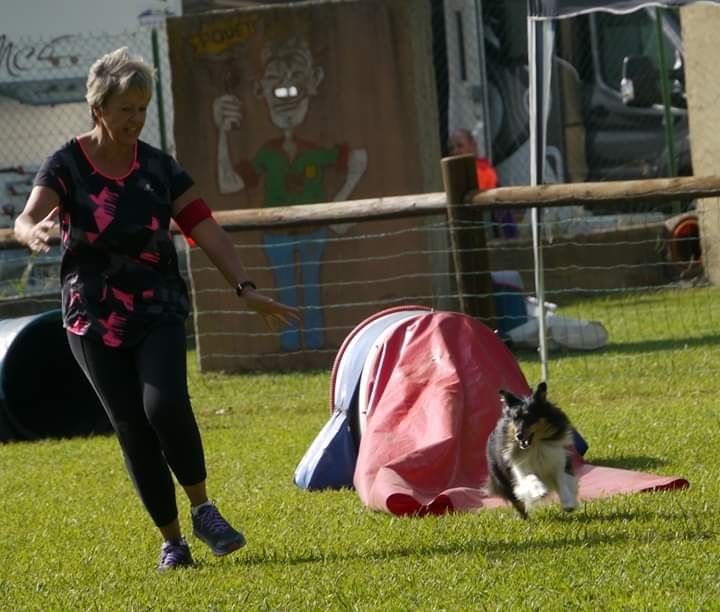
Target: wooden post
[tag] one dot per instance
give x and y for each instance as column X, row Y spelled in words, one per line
column 467, row 239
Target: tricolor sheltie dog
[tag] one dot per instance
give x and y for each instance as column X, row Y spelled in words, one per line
column 526, row 452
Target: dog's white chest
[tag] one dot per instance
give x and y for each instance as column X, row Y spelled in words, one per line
column 544, row 460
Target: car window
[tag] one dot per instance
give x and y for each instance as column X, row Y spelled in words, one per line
column 619, row 36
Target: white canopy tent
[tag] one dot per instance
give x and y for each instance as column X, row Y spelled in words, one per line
column 541, row 16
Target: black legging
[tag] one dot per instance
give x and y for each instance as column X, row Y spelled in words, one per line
column 143, row 389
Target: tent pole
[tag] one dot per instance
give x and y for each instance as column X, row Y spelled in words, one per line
column 486, row 138
column 537, row 155
column 667, row 102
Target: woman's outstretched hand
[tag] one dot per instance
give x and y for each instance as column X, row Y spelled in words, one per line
column 271, row 311
column 39, row 236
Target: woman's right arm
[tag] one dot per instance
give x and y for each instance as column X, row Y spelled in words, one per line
column 34, row 224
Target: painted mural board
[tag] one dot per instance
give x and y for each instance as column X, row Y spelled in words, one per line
column 299, row 104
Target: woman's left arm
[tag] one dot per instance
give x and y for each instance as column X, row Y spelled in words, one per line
column 218, row 246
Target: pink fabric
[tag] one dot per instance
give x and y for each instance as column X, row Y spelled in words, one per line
column 106, row 204
column 433, row 403
column 600, row 481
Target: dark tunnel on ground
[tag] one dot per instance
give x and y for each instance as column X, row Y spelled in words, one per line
column 43, row 391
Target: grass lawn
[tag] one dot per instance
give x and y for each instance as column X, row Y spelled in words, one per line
column 73, row 535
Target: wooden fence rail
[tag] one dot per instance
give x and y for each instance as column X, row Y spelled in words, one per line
column 393, row 207
column 463, row 209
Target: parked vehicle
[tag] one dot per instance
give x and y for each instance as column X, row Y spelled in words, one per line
column 607, row 115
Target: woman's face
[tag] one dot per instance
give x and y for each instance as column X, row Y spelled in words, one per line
column 122, row 116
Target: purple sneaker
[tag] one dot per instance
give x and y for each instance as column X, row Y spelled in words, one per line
column 216, row 532
column 174, row 554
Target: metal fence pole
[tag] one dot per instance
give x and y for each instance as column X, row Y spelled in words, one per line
column 665, row 91
column 159, row 90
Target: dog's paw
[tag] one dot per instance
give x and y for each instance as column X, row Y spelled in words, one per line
column 568, row 501
column 568, row 493
column 531, row 489
column 570, row 506
column 537, row 491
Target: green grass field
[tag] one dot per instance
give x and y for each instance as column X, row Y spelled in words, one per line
column 73, row 535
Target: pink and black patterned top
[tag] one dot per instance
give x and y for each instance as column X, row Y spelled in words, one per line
column 119, row 269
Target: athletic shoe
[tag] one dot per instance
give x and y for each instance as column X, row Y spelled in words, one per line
column 215, row 531
column 174, row 554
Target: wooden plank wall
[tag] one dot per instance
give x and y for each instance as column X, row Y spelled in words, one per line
column 361, row 86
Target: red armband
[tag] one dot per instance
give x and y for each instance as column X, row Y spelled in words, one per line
column 191, row 215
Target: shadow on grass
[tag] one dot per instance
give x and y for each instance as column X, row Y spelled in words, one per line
column 483, row 547
column 626, row 348
column 688, row 530
column 651, row 346
column 586, row 515
column 639, row 462
column 480, row 546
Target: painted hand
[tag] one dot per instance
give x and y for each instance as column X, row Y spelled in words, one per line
column 227, row 112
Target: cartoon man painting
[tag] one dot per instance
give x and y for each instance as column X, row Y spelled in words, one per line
column 292, row 171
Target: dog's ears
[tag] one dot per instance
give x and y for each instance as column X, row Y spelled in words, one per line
column 509, row 398
column 541, row 392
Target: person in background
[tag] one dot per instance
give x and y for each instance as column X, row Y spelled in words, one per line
column 462, row 142
column 124, row 302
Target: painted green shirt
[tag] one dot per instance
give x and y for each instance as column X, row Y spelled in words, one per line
column 300, row 181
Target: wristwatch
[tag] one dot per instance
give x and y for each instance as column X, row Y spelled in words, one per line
column 240, row 287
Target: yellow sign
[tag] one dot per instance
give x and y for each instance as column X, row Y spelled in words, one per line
column 217, row 37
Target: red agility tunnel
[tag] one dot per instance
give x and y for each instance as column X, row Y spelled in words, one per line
column 415, row 393
column 432, row 400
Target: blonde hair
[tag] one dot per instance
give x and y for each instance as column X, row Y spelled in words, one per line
column 114, row 73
